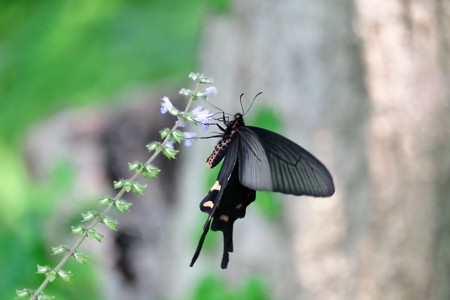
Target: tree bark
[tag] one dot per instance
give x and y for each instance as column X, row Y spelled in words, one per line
column 406, row 55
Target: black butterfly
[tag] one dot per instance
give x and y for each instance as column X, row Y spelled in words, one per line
column 256, row 159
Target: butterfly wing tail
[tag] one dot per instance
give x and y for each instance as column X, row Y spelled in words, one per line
column 200, row 242
column 207, row 205
column 227, row 244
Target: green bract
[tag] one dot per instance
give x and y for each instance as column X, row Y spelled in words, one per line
column 43, row 269
column 89, row 215
column 51, row 275
column 81, row 258
column 138, row 188
column 169, row 152
column 177, row 136
column 153, row 146
column 122, row 205
column 59, row 249
column 110, row 223
column 186, row 92
column 149, row 171
column 105, row 200
column 65, row 275
column 43, row 296
column 93, row 234
column 123, row 183
column 77, row 229
column 134, row 166
column 24, row 293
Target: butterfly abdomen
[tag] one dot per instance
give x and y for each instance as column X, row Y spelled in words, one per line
column 218, row 153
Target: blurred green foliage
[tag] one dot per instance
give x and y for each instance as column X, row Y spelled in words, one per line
column 221, row 6
column 213, row 287
column 58, row 53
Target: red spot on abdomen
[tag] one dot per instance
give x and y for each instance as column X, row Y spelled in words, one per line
column 219, row 152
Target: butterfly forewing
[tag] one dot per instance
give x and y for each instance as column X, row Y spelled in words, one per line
column 255, row 167
column 291, row 169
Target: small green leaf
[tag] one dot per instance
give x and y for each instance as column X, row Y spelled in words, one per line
column 65, row 275
column 118, row 184
column 110, row 223
column 81, row 258
column 122, row 205
column 78, row 229
column 189, row 117
column 150, row 171
column 205, row 80
column 105, row 200
column 153, row 146
column 24, row 293
column 43, row 296
column 200, row 96
column 165, row 132
column 177, row 136
column 43, row 269
column 137, row 188
column 123, row 183
column 127, row 185
column 194, row 76
column 59, row 249
column 134, row 166
column 51, row 275
column 89, row 215
column 93, row 234
column 186, row 92
column 169, row 152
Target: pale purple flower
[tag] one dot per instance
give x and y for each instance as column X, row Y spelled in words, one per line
column 181, row 123
column 202, row 116
column 211, row 90
column 167, row 106
column 188, row 137
column 170, row 144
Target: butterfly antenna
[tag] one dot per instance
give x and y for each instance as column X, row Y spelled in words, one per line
column 240, row 100
column 250, row 104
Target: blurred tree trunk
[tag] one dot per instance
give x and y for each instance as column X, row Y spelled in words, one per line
column 364, row 86
column 406, row 54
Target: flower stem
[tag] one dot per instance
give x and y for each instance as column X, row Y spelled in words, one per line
column 97, row 220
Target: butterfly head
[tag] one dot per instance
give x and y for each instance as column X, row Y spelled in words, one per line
column 236, row 122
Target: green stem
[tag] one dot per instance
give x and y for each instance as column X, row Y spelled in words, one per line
column 97, row 220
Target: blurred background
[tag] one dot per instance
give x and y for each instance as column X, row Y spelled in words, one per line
column 361, row 84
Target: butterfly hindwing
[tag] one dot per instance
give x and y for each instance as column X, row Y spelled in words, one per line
column 211, row 202
column 291, row 169
column 233, row 204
